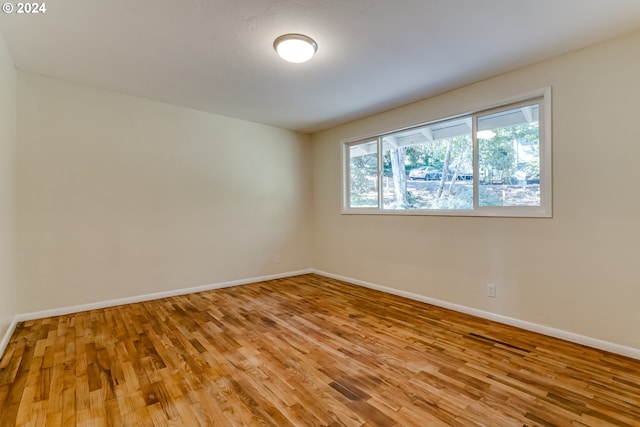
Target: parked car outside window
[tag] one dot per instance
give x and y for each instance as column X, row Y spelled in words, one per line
column 427, row 173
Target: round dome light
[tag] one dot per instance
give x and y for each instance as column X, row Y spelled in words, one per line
column 295, row 48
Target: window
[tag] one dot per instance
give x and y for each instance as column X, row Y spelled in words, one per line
column 494, row 162
column 363, row 175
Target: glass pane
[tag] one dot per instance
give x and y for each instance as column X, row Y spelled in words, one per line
column 363, row 175
column 415, row 162
column 509, row 158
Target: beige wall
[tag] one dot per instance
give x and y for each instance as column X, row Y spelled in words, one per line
column 577, row 271
column 7, row 187
column 120, row 196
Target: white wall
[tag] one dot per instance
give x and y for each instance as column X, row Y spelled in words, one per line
column 578, row 271
column 7, row 187
column 120, row 196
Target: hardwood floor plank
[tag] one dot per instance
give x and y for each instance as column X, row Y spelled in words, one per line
column 68, row 407
column 304, row 351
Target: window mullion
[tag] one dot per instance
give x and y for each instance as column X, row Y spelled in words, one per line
column 380, row 173
column 476, row 171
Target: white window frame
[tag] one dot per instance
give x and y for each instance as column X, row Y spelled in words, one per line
column 544, row 210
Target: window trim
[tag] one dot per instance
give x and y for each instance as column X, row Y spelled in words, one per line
column 544, row 210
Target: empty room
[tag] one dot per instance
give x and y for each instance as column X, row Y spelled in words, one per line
column 319, row 213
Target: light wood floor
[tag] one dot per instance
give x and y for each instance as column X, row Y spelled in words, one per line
column 304, row 351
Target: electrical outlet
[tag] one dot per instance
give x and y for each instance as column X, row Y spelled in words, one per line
column 277, row 259
column 491, row 290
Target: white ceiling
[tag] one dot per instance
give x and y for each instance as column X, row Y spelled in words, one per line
column 217, row 55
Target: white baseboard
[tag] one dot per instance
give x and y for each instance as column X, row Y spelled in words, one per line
column 522, row 324
column 534, row 327
column 148, row 297
column 129, row 300
column 7, row 336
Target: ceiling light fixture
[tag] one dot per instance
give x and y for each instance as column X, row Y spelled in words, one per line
column 295, row 47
